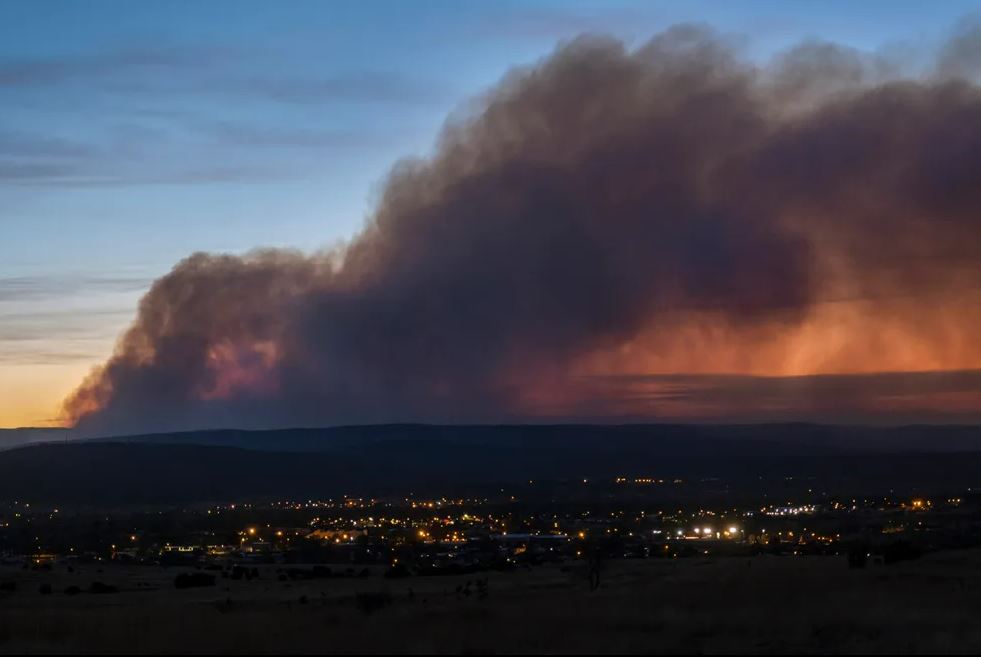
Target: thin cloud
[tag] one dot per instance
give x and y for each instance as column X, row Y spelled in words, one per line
column 28, row 288
column 264, row 136
column 22, row 145
column 355, row 87
column 882, row 397
column 202, row 71
column 30, row 172
column 219, row 175
column 81, row 67
column 22, row 356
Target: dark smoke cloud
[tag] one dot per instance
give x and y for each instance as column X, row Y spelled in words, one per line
column 607, row 211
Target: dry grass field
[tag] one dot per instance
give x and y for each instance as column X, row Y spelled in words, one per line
column 764, row 604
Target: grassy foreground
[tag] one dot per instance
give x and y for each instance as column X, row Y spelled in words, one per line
column 764, row 604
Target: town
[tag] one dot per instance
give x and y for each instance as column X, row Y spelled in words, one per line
column 425, row 536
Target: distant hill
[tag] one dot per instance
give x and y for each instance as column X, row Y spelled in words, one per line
column 113, row 474
column 794, row 438
column 304, row 463
column 11, row 438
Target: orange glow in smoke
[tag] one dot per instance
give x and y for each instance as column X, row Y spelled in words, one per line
column 238, row 369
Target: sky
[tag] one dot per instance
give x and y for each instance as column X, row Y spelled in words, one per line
column 135, row 134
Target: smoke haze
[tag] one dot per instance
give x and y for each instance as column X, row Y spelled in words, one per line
column 669, row 231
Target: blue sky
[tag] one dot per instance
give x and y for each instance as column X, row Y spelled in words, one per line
column 133, row 133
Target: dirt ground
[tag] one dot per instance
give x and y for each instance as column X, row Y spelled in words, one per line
column 763, row 604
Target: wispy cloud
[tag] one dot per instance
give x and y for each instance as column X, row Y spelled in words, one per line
column 882, row 396
column 23, row 288
column 29, row 172
column 89, row 67
column 43, row 356
column 62, row 176
column 22, row 144
column 253, row 135
column 189, row 70
column 355, row 87
column 151, row 118
column 64, row 319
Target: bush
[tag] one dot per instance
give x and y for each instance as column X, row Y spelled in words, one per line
column 900, row 551
column 193, row 580
column 99, row 588
column 369, row 603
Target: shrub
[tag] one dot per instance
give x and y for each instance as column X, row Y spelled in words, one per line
column 100, row 589
column 193, row 580
column 369, row 603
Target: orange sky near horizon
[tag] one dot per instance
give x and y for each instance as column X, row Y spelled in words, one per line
column 31, row 394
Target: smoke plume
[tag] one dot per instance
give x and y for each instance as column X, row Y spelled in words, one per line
column 607, row 213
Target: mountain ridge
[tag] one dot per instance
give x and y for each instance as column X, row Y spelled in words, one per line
column 232, row 465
